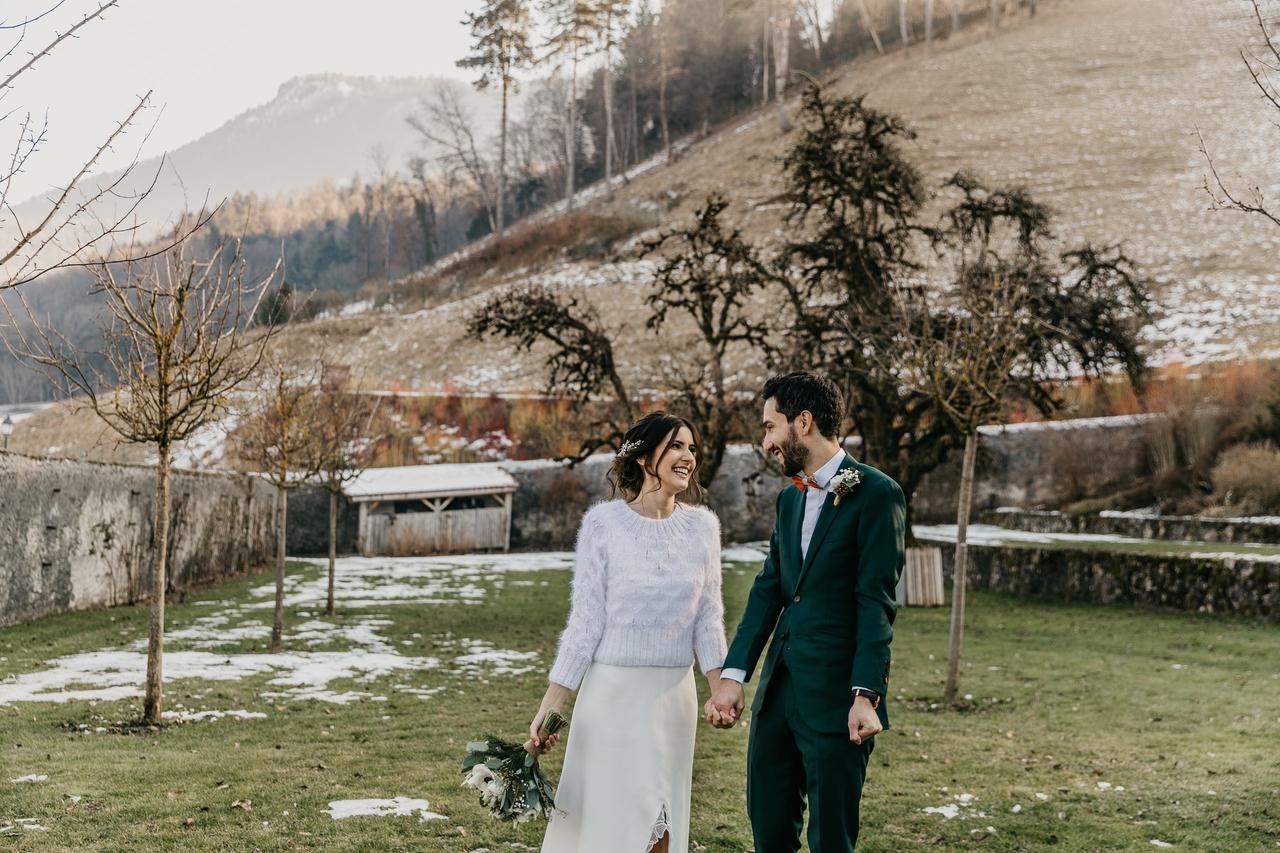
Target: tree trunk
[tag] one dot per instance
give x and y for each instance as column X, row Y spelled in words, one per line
column 904, row 30
column 960, row 579
column 502, row 161
column 995, row 14
column 782, row 64
column 662, row 85
column 1032, row 5
column 955, row 16
column 153, row 703
column 610, row 137
column 571, row 138
column 333, row 546
column 277, row 623
column 867, row 22
column 928, row 22
column 765, row 34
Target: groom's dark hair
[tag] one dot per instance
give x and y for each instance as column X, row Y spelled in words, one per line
column 807, row 392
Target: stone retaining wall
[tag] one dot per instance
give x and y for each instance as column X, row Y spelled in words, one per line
column 1229, row 586
column 77, row 535
column 1261, row 530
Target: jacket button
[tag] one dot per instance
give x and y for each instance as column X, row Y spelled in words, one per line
column 796, row 599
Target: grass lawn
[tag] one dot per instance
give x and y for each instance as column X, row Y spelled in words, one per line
column 1092, row 728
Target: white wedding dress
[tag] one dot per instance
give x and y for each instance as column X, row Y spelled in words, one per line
column 628, row 764
column 646, row 600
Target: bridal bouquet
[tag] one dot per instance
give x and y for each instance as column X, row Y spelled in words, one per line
column 511, row 784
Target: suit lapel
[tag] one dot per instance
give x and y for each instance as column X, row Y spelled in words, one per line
column 797, row 532
column 825, row 517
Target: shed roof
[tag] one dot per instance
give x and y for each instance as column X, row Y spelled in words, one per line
column 430, row 481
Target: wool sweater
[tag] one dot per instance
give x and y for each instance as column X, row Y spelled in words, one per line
column 646, row 592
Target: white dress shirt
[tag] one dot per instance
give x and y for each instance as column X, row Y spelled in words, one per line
column 813, row 500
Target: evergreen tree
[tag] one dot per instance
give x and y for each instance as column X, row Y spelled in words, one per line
column 501, row 33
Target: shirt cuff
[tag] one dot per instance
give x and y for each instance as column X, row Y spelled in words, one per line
column 851, row 689
column 738, row 675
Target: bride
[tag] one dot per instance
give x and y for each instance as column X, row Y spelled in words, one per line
column 646, row 598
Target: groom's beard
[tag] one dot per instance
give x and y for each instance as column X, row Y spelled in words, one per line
column 794, row 454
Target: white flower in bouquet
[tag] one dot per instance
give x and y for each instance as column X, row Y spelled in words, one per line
column 511, row 784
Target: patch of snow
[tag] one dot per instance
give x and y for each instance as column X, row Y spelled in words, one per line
column 746, row 552
column 394, row 807
column 949, row 811
column 483, row 657
column 1156, row 842
column 109, row 675
column 33, row 777
column 1109, row 422
column 197, row 716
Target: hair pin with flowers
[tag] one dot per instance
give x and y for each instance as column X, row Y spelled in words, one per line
column 628, row 447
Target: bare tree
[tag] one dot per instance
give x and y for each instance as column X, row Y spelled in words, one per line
column 966, row 356
column 175, row 346
column 812, row 11
column 766, row 32
column 872, row 29
column 782, row 14
column 341, row 446
column 709, row 276
column 664, row 76
column 904, row 26
column 72, row 227
column 275, row 438
column 581, row 365
column 610, row 17
column 445, row 123
column 1262, row 64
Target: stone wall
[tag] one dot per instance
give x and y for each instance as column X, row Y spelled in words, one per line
column 77, row 535
column 1042, row 465
column 1194, row 584
column 1264, row 531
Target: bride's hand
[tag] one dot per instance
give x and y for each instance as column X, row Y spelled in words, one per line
column 537, row 742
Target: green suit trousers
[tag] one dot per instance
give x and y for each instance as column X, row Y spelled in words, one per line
column 790, row 763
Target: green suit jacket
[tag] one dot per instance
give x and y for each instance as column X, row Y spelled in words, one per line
column 831, row 614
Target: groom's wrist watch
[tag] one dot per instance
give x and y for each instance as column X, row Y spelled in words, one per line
column 872, row 696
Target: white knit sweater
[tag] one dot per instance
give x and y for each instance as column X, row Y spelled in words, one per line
column 646, row 592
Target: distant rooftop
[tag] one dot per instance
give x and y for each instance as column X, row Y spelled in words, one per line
column 430, row 481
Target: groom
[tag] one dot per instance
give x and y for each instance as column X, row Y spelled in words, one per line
column 826, row 596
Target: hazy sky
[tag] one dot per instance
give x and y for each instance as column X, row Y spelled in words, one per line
column 207, row 62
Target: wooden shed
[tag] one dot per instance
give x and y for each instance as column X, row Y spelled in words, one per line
column 433, row 509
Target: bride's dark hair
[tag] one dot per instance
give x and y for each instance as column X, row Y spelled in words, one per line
column 626, row 476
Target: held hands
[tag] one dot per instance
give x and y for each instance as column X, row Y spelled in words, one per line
column 725, row 705
column 539, row 742
column 863, row 722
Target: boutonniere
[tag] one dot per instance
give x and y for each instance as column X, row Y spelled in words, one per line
column 843, row 483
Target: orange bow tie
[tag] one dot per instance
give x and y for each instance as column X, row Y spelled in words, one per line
column 805, row 483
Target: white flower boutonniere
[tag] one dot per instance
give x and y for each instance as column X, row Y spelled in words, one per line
column 843, row 483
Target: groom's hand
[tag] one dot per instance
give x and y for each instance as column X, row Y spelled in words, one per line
column 863, row 722
column 726, row 704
